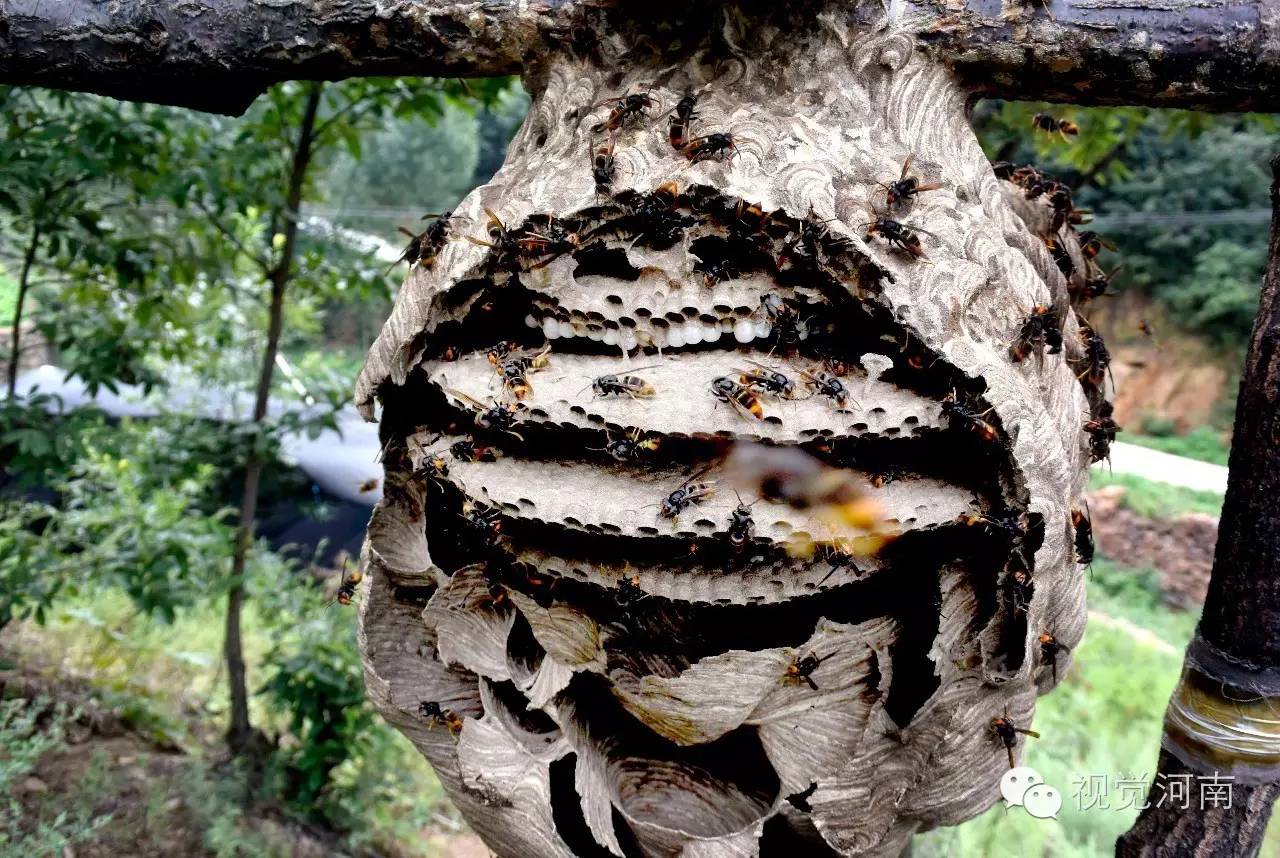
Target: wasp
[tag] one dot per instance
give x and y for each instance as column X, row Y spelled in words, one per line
column 499, row 417
column 1007, row 732
column 887, row 474
column 678, row 124
column 626, row 109
column 801, row 670
column 966, row 417
column 1096, row 360
column 515, row 371
column 1050, row 649
column 1021, row 590
column 1091, row 244
column 630, row 446
column 497, row 352
column 783, row 317
column 1083, row 535
column 898, row 235
column 629, row 591
column 467, row 450
column 485, row 520
column 347, row 588
column 432, row 711
column 715, row 145
column 763, row 380
column 906, row 186
column 740, row 398
column 624, row 385
column 368, row 486
column 1095, row 285
column 742, row 527
column 502, row 241
column 1061, row 257
column 425, row 246
column 688, row 494
column 434, row 467
column 1039, row 330
column 1102, row 433
column 1052, row 125
column 824, row 384
column 602, row 168
column 836, row 560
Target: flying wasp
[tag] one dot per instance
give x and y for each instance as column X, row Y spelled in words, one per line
column 1091, row 244
column 425, row 246
column 906, row 186
column 801, row 670
column 740, row 398
column 1007, row 732
column 1041, row 329
column 1052, row 125
column 347, row 588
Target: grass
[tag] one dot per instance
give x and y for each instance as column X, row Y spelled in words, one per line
column 1155, row 499
column 1201, row 443
column 166, row 682
column 8, row 298
column 1104, row 719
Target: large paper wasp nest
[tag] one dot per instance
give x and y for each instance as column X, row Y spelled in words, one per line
column 590, row 676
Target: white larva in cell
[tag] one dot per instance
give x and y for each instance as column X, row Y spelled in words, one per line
column 530, row 321
column 711, row 333
column 744, row 331
column 692, row 333
column 610, row 337
column 763, row 329
column 675, row 336
column 595, row 334
column 550, row 328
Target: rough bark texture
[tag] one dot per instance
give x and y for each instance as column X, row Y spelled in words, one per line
column 219, row 55
column 619, row 681
column 1221, row 718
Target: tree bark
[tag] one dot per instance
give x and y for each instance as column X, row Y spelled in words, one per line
column 220, row 56
column 24, row 282
column 1232, row 671
column 240, row 732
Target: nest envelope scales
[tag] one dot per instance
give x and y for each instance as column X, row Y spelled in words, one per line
column 601, row 680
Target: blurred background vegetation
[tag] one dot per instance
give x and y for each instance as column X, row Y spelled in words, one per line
column 143, row 245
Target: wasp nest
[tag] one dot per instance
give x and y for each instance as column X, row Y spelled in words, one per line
column 600, row 647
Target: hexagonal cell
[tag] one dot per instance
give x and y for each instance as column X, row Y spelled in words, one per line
column 682, row 387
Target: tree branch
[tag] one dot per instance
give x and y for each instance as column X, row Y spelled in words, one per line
column 1221, row 56
column 218, row 55
column 1222, row 714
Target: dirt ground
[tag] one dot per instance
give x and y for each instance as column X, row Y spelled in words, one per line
column 1179, row 548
